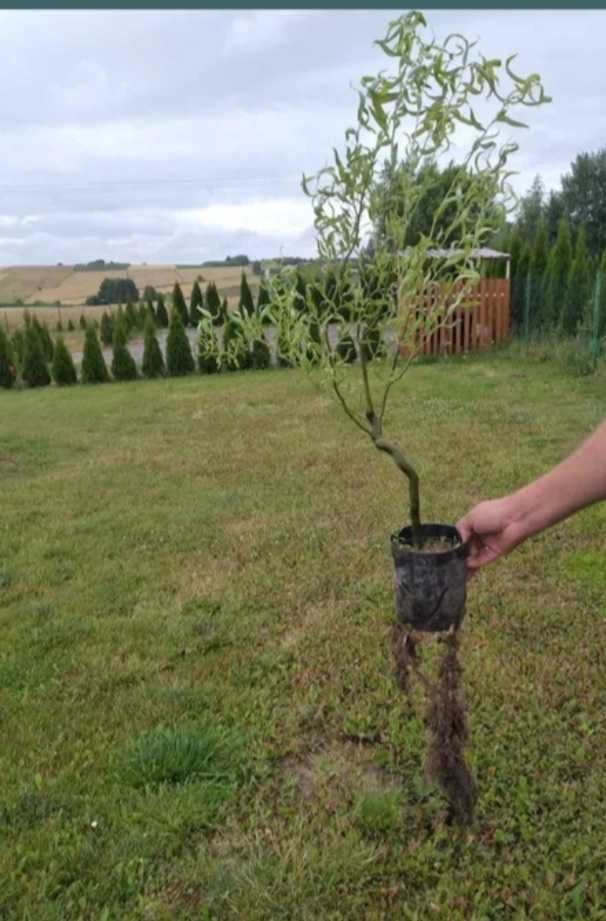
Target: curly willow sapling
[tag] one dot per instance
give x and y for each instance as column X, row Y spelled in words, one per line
column 384, row 285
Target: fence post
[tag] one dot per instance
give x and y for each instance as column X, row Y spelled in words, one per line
column 527, row 307
column 595, row 330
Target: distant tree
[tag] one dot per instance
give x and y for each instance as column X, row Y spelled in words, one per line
column 530, row 210
column 94, row 370
column 59, row 326
column 179, row 304
column 213, row 304
column 70, row 325
column 538, row 264
column 555, row 278
column 554, row 212
column 584, row 197
column 82, row 322
column 8, row 368
column 142, row 315
column 130, row 317
column 260, row 355
column 246, row 304
column 63, row 368
column 161, row 314
column 45, row 339
column 106, row 331
column 117, row 291
column 195, row 303
column 153, row 362
column 34, row 370
column 149, row 293
column 578, row 287
column 179, row 359
column 123, row 363
column 18, row 344
column 257, row 268
column 224, row 311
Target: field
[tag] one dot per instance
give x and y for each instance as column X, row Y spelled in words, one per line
column 199, row 716
column 48, row 285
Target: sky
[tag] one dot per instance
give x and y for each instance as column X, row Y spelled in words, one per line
column 181, row 136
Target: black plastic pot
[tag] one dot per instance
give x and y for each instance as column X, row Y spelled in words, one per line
column 430, row 586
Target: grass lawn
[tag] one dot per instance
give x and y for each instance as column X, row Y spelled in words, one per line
column 198, row 715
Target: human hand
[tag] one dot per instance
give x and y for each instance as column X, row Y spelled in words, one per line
column 493, row 530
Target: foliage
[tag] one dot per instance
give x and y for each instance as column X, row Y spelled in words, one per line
column 556, row 276
column 123, row 363
column 63, row 368
column 161, row 314
column 18, row 345
column 131, row 319
column 578, row 288
column 179, row 304
column 106, row 331
column 153, row 361
column 70, row 325
column 213, row 304
column 94, row 370
column 179, row 359
column 8, row 369
column 428, row 95
column 45, row 339
column 537, row 267
column 246, row 304
column 116, row 291
column 196, row 302
column 34, row 371
column 208, row 351
column 235, row 354
column 584, row 197
column 260, row 355
column 150, row 294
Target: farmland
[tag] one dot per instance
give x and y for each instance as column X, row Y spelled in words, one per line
column 188, row 557
column 61, row 292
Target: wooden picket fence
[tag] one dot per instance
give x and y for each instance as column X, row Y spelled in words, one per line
column 480, row 324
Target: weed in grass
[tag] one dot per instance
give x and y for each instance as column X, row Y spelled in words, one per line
column 169, row 755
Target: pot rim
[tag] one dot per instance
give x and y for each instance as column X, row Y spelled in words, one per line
column 401, row 544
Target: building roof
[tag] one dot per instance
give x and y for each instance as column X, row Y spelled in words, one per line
column 483, row 253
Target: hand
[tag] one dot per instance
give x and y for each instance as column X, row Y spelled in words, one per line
column 493, row 530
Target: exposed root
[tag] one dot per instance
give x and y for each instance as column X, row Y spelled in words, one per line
column 446, row 721
column 447, row 724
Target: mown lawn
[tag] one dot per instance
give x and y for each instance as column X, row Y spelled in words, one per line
column 198, row 715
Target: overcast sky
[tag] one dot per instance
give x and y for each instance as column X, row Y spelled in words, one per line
column 181, row 136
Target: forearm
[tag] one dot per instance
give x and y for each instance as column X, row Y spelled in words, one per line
column 577, row 482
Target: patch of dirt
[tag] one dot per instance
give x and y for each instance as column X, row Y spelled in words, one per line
column 337, row 769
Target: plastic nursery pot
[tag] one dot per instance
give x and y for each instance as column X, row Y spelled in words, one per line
column 429, row 586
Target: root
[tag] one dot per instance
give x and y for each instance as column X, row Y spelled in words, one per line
column 446, row 721
column 447, row 725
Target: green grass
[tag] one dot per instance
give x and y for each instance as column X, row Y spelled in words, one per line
column 198, row 715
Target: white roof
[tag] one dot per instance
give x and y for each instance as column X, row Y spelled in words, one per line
column 483, row 253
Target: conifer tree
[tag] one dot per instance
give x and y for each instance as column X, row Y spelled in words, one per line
column 106, row 331
column 45, row 339
column 224, row 311
column 130, row 316
column 602, row 317
column 94, row 370
column 578, row 287
column 263, row 301
column 246, row 304
column 556, row 275
column 59, row 327
column 82, row 322
column 538, row 264
column 213, row 304
column 179, row 359
column 150, row 312
column 161, row 314
column 18, row 345
column 63, row 368
column 70, row 325
column 141, row 315
column 123, row 363
column 518, row 286
column 195, row 303
column 8, row 367
column 153, row 362
column 179, row 304
column 34, row 370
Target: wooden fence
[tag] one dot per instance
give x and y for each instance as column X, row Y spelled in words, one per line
column 480, row 324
